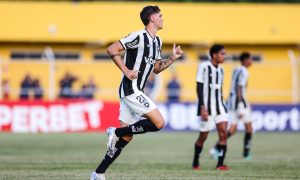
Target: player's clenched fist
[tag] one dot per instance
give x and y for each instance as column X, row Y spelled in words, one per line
column 131, row 74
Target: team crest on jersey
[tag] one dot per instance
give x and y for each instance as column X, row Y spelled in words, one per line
column 215, row 86
column 150, row 60
column 132, row 43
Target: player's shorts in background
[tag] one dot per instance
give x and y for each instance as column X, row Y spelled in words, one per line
column 209, row 125
column 132, row 107
column 234, row 119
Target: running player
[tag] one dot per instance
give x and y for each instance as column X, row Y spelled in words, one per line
column 138, row 114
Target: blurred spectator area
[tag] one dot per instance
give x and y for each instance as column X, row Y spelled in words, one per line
column 270, row 79
column 80, row 46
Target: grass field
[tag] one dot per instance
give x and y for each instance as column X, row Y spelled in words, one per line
column 150, row 156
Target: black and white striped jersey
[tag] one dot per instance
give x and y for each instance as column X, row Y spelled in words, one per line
column 141, row 53
column 239, row 78
column 212, row 78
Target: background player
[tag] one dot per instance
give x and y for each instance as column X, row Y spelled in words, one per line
column 211, row 108
column 238, row 105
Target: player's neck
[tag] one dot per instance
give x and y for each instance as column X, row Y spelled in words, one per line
column 244, row 65
column 151, row 30
column 215, row 63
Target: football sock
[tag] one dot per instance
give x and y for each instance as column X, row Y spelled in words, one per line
column 247, row 144
column 139, row 127
column 108, row 159
column 198, row 150
column 222, row 152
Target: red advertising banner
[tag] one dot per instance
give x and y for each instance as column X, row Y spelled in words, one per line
column 57, row 116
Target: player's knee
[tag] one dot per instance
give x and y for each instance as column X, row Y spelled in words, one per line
column 223, row 135
column 159, row 125
column 128, row 138
column 203, row 137
column 249, row 130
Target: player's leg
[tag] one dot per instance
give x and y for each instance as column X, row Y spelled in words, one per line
column 198, row 149
column 116, row 144
column 205, row 128
column 153, row 122
column 248, row 132
column 222, row 145
column 214, row 153
column 110, row 157
column 247, row 140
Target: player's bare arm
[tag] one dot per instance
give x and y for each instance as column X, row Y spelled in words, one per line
column 114, row 51
column 162, row 65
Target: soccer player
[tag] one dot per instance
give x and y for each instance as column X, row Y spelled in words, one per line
column 211, row 107
column 238, row 105
column 138, row 114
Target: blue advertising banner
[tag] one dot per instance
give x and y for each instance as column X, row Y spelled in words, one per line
column 265, row 117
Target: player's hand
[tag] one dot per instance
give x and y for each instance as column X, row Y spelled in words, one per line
column 131, row 74
column 204, row 114
column 240, row 110
column 177, row 52
column 240, row 116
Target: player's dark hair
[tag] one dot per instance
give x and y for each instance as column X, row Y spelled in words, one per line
column 147, row 12
column 244, row 56
column 215, row 49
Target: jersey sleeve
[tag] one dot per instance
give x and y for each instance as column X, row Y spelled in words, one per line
column 201, row 73
column 243, row 79
column 131, row 41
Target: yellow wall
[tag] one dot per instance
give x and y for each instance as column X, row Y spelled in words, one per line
column 192, row 23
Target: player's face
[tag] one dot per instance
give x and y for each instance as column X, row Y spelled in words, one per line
column 158, row 20
column 221, row 56
column 248, row 62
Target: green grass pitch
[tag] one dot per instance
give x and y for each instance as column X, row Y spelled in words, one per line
column 165, row 155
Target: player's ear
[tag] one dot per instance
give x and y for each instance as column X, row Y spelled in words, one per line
column 213, row 56
column 152, row 18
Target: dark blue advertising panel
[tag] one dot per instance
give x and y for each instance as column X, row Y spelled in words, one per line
column 182, row 116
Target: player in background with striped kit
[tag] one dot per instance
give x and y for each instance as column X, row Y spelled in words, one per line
column 238, row 106
column 211, row 108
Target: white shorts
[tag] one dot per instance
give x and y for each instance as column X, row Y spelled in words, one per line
column 234, row 116
column 132, row 107
column 209, row 125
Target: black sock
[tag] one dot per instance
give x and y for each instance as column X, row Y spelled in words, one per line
column 139, row 127
column 198, row 150
column 108, row 159
column 228, row 135
column 222, row 152
column 247, row 144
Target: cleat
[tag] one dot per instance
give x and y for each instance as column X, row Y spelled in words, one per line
column 112, row 140
column 214, row 153
column 196, row 168
column 95, row 176
column 248, row 157
column 223, row 168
